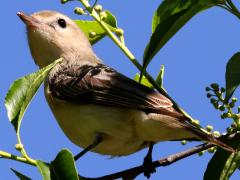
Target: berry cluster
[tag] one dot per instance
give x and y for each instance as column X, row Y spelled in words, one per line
column 217, row 99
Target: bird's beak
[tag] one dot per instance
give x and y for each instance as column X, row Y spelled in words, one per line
column 28, row 20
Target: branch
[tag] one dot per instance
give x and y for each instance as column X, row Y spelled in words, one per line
column 134, row 172
column 7, row 155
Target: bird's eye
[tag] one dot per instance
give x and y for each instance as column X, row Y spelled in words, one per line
column 62, row 23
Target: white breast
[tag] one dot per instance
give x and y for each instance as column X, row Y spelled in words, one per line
column 81, row 123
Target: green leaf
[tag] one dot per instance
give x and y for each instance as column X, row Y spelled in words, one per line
column 62, row 167
column 44, row 169
column 21, row 93
column 111, row 19
column 216, row 165
column 232, row 75
column 233, row 162
column 159, row 79
column 144, row 81
column 223, row 164
column 93, row 26
column 170, row 17
column 20, row 175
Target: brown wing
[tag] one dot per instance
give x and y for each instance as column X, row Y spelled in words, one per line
column 103, row 85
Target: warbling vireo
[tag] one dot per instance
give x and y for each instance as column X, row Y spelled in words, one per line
column 97, row 107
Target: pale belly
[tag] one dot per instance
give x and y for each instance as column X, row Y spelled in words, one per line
column 124, row 131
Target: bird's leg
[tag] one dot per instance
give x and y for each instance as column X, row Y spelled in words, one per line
column 147, row 163
column 98, row 139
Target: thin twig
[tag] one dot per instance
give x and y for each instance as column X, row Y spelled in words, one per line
column 134, row 172
column 7, row 155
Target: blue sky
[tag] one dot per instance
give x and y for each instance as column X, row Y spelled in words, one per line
column 193, row 59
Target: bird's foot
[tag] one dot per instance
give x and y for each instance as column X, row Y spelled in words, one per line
column 148, row 166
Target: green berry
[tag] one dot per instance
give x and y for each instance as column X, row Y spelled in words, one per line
column 229, row 115
column 215, row 86
column 98, row 8
column 195, row 122
column 216, row 134
column 223, row 89
column 209, row 128
column 119, row 32
column 209, row 95
column 103, row 15
column 183, row 142
column 201, row 153
column 224, row 115
column 208, row 89
column 92, row 34
column 212, row 149
column 79, row 11
column 18, row 147
column 64, row 1
column 238, row 109
column 222, row 108
column 234, row 99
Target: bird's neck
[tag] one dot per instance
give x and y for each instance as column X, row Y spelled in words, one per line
column 79, row 55
column 45, row 55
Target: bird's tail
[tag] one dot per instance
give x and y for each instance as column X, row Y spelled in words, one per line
column 200, row 134
column 209, row 138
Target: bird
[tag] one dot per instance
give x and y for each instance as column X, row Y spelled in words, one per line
column 98, row 108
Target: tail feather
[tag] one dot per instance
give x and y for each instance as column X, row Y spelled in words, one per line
column 209, row 138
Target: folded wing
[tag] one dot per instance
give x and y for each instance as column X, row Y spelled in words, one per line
column 103, row 85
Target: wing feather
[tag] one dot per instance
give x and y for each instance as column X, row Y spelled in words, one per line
column 101, row 84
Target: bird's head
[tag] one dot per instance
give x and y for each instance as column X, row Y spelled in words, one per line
column 52, row 35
